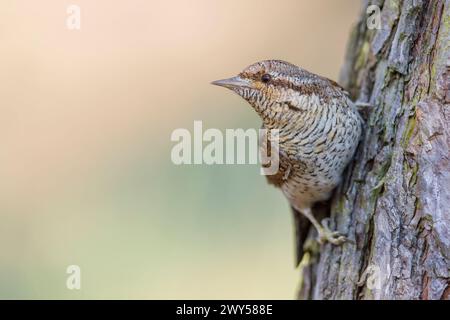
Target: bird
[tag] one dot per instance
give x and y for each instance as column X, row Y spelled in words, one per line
column 319, row 128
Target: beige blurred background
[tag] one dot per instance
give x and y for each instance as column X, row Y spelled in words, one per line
column 85, row 124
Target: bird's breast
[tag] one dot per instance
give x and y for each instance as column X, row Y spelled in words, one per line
column 316, row 154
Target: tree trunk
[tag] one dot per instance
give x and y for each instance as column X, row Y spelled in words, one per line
column 394, row 203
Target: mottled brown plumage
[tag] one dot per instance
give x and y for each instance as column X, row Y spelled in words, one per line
column 319, row 130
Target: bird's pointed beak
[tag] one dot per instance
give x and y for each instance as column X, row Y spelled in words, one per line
column 232, row 83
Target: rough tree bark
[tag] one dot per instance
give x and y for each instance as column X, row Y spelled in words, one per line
column 395, row 200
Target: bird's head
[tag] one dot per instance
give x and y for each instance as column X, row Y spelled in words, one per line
column 275, row 89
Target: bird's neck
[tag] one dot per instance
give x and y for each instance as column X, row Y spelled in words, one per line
column 277, row 116
column 268, row 112
column 288, row 120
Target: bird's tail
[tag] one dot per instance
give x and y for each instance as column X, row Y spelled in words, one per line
column 301, row 228
column 320, row 210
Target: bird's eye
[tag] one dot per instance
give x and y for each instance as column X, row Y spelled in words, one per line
column 266, row 78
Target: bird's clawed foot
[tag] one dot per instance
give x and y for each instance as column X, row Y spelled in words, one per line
column 327, row 235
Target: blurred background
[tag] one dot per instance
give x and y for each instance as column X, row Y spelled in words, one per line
column 85, row 122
